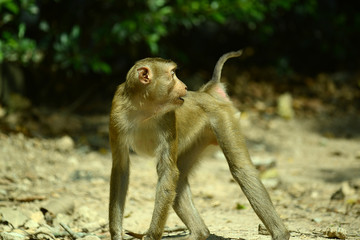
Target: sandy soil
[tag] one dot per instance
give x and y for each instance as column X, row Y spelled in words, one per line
column 315, row 158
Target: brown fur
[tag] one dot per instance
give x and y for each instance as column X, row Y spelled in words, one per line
column 151, row 115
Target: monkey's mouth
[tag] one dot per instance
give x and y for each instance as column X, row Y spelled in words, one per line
column 180, row 98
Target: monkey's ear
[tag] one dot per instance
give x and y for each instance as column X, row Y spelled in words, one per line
column 144, row 75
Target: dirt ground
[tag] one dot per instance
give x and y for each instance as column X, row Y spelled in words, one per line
column 315, row 185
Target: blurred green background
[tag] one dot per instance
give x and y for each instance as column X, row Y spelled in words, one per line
column 73, row 53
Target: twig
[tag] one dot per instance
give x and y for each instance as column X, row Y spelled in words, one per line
column 135, row 235
column 175, row 229
column 167, row 230
column 72, row 234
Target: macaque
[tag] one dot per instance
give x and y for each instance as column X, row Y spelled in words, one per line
column 153, row 113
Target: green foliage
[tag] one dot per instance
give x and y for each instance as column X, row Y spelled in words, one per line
column 77, row 37
column 14, row 46
column 80, row 44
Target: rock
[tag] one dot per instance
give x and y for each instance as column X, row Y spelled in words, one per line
column 346, row 191
column 338, row 195
column 270, row 178
column 38, row 217
column 66, row 143
column 11, row 236
column 13, row 216
column 271, row 183
column 62, row 218
column 86, row 213
column 3, row 194
column 284, row 106
column 73, row 161
column 296, row 190
column 262, row 230
column 60, row 205
column 31, row 224
column 263, row 164
column 316, row 220
column 335, row 232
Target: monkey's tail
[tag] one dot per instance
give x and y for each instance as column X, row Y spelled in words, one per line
column 220, row 63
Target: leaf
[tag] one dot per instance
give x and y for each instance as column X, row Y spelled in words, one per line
column 219, row 17
column 10, row 5
column 75, row 32
column 101, row 67
column 239, row 206
column 22, row 30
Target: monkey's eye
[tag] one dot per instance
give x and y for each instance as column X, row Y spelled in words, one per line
column 172, row 73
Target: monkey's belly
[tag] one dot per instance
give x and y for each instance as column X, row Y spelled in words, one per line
column 145, row 143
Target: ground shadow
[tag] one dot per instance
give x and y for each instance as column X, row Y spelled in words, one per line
column 215, row 237
column 345, row 126
column 183, row 236
column 340, row 175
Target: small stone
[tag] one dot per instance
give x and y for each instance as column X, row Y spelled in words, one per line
column 262, row 230
column 38, row 217
column 285, row 106
column 66, row 143
column 11, row 236
column 73, row 161
column 86, row 214
column 263, row 164
column 62, row 218
column 335, row 232
column 31, row 224
column 13, row 216
column 317, row 220
column 60, row 205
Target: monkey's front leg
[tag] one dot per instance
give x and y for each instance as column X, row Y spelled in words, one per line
column 118, row 188
column 168, row 175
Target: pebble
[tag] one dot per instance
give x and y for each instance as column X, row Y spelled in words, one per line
column 66, row 143
column 284, row 106
column 262, row 230
column 317, row 220
column 335, row 232
column 13, row 216
column 31, row 224
column 11, row 236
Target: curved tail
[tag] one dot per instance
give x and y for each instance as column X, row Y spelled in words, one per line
column 220, row 63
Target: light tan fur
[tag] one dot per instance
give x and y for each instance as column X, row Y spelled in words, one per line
column 153, row 114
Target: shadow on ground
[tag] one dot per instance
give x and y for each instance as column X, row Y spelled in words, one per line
column 341, row 175
column 184, row 236
column 347, row 126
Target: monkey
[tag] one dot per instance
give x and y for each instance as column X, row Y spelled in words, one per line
column 154, row 114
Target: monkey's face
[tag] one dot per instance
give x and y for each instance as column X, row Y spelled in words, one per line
column 155, row 81
column 177, row 89
column 167, row 88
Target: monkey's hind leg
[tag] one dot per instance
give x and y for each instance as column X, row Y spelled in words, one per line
column 232, row 142
column 185, row 209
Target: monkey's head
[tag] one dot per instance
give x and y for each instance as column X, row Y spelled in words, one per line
column 154, row 83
